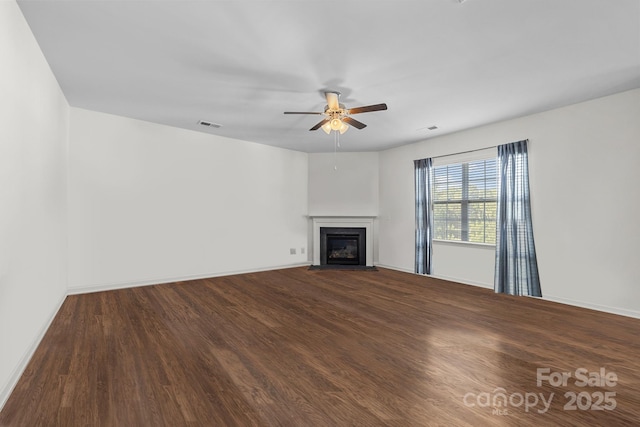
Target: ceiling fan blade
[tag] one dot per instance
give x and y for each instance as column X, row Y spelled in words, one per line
column 319, row 125
column 353, row 122
column 301, row 112
column 332, row 100
column 367, row 109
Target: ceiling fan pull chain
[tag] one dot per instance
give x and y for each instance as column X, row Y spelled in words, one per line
column 335, row 151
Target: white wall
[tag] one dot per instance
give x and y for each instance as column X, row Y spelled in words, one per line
column 351, row 189
column 478, row 267
column 584, row 193
column 150, row 203
column 33, row 138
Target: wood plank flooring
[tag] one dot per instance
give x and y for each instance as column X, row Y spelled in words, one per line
column 325, row 348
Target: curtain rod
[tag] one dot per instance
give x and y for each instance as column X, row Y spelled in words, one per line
column 472, row 151
column 465, row 152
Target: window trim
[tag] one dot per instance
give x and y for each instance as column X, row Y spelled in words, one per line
column 463, row 243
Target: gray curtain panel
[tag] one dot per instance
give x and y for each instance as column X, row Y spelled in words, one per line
column 516, row 263
column 424, row 215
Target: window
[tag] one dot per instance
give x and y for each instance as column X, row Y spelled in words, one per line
column 465, row 201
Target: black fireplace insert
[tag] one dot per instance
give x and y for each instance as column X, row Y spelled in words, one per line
column 343, row 246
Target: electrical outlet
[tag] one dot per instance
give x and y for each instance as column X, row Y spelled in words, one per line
column 302, row 251
column 292, row 251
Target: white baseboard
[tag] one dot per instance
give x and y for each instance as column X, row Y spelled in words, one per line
column 26, row 357
column 390, row 267
column 464, row 282
column 597, row 307
column 581, row 304
column 448, row 279
column 159, row 280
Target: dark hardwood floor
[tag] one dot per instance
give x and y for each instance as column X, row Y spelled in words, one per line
column 327, row 348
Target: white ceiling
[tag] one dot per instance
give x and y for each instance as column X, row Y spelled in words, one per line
column 243, row 63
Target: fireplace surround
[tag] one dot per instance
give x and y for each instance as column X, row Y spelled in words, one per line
column 364, row 225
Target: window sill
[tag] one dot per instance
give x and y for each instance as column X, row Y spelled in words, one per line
column 461, row 243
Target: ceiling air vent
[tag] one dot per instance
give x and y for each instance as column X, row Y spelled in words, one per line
column 209, row 124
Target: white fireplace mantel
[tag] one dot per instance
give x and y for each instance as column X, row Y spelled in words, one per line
column 365, row 222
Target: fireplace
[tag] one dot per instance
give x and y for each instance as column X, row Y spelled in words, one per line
column 343, row 246
column 344, row 225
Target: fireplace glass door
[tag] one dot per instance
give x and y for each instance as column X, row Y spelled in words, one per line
column 343, row 249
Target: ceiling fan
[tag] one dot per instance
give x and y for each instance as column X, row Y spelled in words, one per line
column 337, row 117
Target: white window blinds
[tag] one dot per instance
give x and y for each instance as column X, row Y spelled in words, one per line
column 465, row 198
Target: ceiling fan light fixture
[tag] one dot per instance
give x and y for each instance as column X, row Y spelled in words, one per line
column 336, row 124
column 329, row 126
